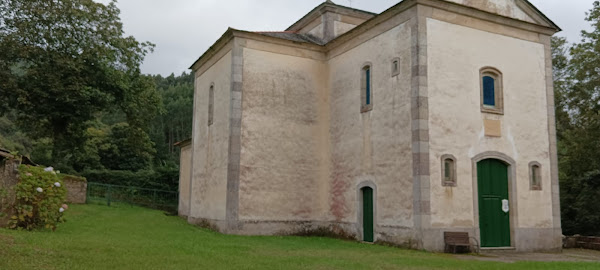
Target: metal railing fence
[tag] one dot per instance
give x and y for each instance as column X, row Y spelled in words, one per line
column 152, row 198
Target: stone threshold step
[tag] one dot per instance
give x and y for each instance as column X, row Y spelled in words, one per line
column 497, row 249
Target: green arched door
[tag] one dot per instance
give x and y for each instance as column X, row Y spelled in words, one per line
column 494, row 217
column 367, row 201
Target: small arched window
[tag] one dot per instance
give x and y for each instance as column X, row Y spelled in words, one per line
column 535, row 176
column 492, row 97
column 211, row 104
column 395, row 67
column 448, row 171
column 366, row 88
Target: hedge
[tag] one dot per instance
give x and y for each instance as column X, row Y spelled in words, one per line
column 160, row 178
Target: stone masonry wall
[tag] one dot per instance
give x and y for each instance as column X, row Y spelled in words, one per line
column 76, row 189
column 8, row 181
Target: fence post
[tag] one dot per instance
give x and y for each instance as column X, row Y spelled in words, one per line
column 87, row 193
column 108, row 196
column 154, row 198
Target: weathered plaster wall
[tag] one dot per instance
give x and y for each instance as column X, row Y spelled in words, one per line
column 210, row 144
column 373, row 146
column 456, row 121
column 284, row 142
column 508, row 8
column 317, row 31
column 331, row 25
column 341, row 28
column 315, row 28
column 185, row 162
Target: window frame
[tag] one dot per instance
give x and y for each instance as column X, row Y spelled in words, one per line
column 366, row 84
column 498, row 108
column 211, row 104
column 453, row 177
column 395, row 68
column 538, row 176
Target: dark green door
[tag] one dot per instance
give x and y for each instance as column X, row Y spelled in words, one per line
column 494, row 222
column 367, row 194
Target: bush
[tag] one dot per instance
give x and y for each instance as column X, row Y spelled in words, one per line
column 163, row 178
column 73, row 178
column 579, row 210
column 40, row 197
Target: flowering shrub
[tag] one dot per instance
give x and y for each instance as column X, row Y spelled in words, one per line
column 39, row 199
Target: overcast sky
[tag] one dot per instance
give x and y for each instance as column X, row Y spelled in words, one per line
column 183, row 29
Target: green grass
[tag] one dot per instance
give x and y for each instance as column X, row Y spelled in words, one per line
column 125, row 237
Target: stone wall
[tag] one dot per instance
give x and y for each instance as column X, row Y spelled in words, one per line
column 8, row 181
column 76, row 188
column 578, row 241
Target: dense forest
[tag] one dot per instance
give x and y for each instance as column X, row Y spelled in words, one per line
column 108, row 147
column 73, row 97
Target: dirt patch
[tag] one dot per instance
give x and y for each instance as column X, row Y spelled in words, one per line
column 6, row 240
column 568, row 255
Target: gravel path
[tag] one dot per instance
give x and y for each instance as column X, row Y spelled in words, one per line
column 569, row 255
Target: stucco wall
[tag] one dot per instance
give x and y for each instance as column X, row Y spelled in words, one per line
column 315, row 28
column 185, row 162
column 506, row 8
column 283, row 166
column 317, row 31
column 341, row 28
column 373, row 146
column 210, row 144
column 456, row 120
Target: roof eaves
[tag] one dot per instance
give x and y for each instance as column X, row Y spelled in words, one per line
column 306, row 43
column 543, row 15
column 215, row 47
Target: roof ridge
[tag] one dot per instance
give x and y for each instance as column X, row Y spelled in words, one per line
column 330, row 4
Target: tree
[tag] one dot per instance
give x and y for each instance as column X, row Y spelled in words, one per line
column 62, row 62
column 177, row 93
column 581, row 101
column 577, row 92
column 120, row 151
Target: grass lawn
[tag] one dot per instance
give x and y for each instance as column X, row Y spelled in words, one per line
column 125, row 237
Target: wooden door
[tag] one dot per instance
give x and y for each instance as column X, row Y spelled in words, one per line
column 367, row 194
column 494, row 219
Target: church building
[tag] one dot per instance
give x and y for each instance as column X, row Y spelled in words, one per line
column 434, row 116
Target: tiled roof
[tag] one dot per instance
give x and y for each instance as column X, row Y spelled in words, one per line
column 293, row 36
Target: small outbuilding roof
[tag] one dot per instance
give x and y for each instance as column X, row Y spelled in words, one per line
column 183, row 143
column 6, row 154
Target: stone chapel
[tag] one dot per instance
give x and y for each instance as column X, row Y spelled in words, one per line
column 433, row 116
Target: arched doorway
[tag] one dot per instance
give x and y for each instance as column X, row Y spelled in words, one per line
column 493, row 197
column 367, row 214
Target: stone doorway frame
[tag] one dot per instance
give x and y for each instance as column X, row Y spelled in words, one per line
column 512, row 192
column 359, row 207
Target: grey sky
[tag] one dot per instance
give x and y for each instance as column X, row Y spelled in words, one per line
column 183, row 29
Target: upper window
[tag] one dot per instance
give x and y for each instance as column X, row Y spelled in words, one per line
column 448, row 171
column 211, row 105
column 535, row 177
column 492, row 100
column 366, row 88
column 395, row 67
